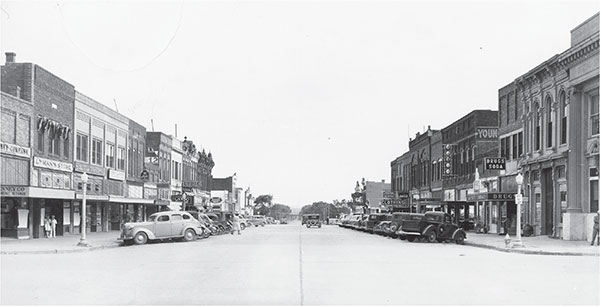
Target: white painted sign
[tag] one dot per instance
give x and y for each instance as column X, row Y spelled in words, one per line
column 116, row 175
column 12, row 149
column 52, row 164
column 487, row 133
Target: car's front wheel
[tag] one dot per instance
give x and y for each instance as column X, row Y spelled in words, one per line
column 410, row 238
column 431, row 236
column 189, row 235
column 460, row 238
column 140, row 238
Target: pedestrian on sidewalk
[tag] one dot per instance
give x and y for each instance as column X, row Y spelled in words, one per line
column 47, row 227
column 236, row 225
column 53, row 223
column 596, row 229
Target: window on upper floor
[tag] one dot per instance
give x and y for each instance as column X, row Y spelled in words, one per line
column 110, row 155
column 549, row 122
column 121, row 158
column 81, row 147
column 594, row 107
column 538, row 126
column 563, row 120
column 97, row 152
column 54, row 148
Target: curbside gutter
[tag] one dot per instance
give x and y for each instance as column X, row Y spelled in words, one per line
column 57, row 251
column 530, row 252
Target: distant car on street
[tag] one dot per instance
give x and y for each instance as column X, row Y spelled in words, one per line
column 311, row 220
column 178, row 225
column 257, row 220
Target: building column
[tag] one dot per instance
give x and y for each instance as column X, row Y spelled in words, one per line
column 576, row 166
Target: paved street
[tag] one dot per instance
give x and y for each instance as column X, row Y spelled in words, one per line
column 289, row 264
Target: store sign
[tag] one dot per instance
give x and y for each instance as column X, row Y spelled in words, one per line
column 14, row 191
column 487, row 133
column 491, row 196
column 11, row 149
column 116, row 175
column 89, row 169
column 497, row 163
column 52, row 164
column 449, row 195
column 388, row 194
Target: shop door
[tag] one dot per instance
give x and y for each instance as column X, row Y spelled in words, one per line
column 55, row 208
column 547, row 203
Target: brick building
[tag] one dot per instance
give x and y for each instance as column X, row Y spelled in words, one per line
column 472, row 138
column 15, row 155
column 50, row 190
column 158, row 164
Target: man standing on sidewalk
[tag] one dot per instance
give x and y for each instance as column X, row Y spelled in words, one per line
column 53, row 223
column 596, row 229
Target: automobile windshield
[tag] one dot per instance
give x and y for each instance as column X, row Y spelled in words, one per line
column 313, row 217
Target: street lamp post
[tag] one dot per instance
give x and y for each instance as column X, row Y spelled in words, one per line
column 83, row 242
column 519, row 200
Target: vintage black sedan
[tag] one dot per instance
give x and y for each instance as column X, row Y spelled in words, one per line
column 433, row 226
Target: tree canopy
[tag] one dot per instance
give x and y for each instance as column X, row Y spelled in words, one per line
column 325, row 209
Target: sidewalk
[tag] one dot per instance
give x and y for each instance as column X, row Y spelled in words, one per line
column 60, row 244
column 539, row 245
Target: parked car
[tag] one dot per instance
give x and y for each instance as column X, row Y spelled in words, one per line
column 244, row 222
column 222, row 220
column 257, row 220
column 353, row 221
column 375, row 219
column 383, row 227
column 395, row 223
column 178, row 225
column 311, row 220
column 434, row 226
column 361, row 225
column 283, row 221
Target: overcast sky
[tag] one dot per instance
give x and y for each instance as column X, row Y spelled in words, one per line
column 300, row 99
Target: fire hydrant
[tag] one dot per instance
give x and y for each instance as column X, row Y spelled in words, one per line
column 507, row 240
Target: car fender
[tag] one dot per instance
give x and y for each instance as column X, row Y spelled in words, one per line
column 458, row 230
column 430, row 226
column 148, row 233
column 196, row 229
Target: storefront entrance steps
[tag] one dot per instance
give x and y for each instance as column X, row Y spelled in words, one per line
column 536, row 245
column 60, row 244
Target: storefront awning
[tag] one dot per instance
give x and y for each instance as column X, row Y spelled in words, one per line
column 36, row 192
column 91, row 197
column 124, row 200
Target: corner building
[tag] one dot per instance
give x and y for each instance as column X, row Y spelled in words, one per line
column 49, row 191
column 558, row 155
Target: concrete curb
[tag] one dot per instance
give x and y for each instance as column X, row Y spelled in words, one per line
column 56, row 251
column 529, row 252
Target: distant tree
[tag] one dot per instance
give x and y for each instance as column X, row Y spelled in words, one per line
column 325, row 210
column 262, row 210
column 278, row 211
column 263, row 200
